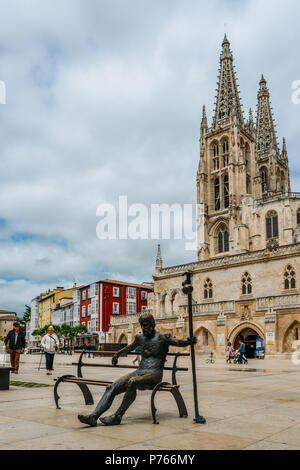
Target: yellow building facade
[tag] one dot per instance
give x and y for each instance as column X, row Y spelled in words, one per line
column 48, row 302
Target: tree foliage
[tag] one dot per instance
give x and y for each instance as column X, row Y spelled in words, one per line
column 25, row 319
column 65, row 332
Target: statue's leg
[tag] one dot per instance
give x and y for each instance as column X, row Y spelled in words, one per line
column 141, row 382
column 120, row 386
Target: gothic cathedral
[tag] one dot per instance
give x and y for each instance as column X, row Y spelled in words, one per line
column 246, row 279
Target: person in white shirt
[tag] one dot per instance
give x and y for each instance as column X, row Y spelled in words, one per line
column 50, row 344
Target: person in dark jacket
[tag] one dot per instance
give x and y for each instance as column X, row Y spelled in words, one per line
column 16, row 340
column 242, row 350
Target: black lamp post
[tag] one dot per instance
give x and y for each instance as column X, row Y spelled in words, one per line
column 188, row 289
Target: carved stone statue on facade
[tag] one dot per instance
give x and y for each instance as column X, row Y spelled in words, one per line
column 246, row 313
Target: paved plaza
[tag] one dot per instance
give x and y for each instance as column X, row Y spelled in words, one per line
column 246, row 407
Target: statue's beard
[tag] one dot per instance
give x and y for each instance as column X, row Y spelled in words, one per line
column 148, row 332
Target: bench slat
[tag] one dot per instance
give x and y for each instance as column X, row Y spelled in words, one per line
column 88, row 382
column 124, row 366
column 130, row 353
column 105, row 383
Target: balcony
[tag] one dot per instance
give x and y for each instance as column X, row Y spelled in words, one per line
column 116, row 320
column 210, row 308
column 291, row 300
column 277, row 197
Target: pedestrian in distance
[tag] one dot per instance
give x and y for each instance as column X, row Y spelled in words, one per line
column 16, row 339
column 138, row 351
column 242, row 349
column 229, row 353
column 50, row 345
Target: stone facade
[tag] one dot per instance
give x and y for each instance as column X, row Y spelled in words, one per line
column 246, row 279
column 7, row 318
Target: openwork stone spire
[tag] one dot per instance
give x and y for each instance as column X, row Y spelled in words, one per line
column 265, row 129
column 204, row 118
column 203, row 127
column 228, row 100
column 284, row 154
column 158, row 265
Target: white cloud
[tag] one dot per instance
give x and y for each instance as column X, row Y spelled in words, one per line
column 104, row 99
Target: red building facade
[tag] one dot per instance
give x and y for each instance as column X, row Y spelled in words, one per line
column 100, row 300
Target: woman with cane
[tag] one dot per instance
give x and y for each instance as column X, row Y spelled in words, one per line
column 50, row 344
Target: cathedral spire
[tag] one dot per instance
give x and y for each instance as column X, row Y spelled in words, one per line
column 228, row 99
column 284, row 154
column 204, row 121
column 285, row 158
column 159, row 264
column 265, row 128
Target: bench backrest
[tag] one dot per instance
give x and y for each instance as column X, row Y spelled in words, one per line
column 174, row 367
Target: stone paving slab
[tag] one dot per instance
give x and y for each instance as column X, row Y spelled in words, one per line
column 244, row 410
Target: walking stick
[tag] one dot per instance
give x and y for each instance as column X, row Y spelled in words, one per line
column 188, row 289
column 41, row 360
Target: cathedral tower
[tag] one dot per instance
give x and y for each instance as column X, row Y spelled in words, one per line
column 272, row 166
column 227, row 168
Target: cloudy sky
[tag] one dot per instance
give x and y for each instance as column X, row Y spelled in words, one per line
column 104, row 98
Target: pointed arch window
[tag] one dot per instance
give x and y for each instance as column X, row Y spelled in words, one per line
column 289, row 278
column 282, row 182
column 247, row 157
column 217, row 194
column 225, row 149
column 223, row 239
column 216, row 157
column 272, row 225
column 226, row 191
column 208, row 289
column 264, row 180
column 246, row 284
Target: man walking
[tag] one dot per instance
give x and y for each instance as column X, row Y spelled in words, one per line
column 242, row 349
column 16, row 339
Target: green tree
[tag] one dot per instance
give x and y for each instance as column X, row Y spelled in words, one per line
column 64, row 332
column 25, row 319
column 42, row 331
column 69, row 332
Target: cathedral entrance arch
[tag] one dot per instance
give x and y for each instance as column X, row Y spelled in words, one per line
column 249, row 333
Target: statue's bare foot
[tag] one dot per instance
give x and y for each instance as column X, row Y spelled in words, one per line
column 112, row 420
column 88, row 419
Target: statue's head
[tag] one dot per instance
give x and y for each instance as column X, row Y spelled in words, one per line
column 147, row 323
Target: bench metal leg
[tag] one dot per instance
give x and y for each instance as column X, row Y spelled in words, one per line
column 180, row 402
column 178, row 398
column 88, row 398
column 153, row 409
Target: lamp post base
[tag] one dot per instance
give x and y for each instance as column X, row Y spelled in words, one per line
column 199, row 419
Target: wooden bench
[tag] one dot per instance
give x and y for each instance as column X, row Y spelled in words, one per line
column 83, row 383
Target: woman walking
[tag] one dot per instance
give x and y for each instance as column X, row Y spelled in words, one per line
column 50, row 344
column 229, row 353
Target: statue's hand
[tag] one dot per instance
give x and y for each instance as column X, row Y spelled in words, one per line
column 114, row 360
column 192, row 340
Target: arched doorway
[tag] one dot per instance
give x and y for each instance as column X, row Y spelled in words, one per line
column 249, row 337
column 292, row 334
column 206, row 342
column 122, row 339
